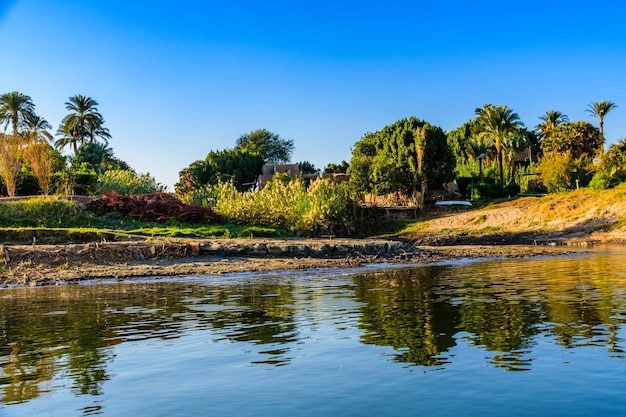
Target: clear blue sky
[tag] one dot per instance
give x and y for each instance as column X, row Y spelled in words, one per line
column 177, row 79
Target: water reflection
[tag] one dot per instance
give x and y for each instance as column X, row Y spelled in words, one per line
column 421, row 314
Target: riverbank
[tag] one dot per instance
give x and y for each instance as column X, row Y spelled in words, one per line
column 33, row 265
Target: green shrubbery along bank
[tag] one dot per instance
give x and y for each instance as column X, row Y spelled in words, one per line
column 324, row 208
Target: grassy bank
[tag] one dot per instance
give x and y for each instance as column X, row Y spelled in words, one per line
column 582, row 214
column 52, row 220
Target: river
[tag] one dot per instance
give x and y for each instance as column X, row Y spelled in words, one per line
column 540, row 336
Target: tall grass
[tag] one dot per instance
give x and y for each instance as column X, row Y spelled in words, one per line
column 324, row 208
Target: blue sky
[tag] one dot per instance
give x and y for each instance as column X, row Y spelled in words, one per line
column 176, row 80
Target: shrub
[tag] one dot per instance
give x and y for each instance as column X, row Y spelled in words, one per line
column 612, row 169
column 555, row 171
column 325, row 208
column 127, row 182
column 490, row 190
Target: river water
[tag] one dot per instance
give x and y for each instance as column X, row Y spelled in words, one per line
column 542, row 336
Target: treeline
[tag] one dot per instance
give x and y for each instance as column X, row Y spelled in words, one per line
column 492, row 155
column 31, row 161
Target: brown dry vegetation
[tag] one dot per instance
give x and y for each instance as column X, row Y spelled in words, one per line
column 155, row 207
column 579, row 217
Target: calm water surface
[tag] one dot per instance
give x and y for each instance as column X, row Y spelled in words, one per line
column 494, row 337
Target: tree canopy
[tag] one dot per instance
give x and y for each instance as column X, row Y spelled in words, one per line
column 500, row 126
column 600, row 109
column 580, row 139
column 307, row 167
column 332, row 168
column 549, row 121
column 15, row 109
column 401, row 157
column 83, row 123
column 99, row 156
column 272, row 148
column 236, row 165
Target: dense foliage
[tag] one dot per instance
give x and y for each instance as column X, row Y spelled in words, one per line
column 272, row 148
column 408, row 156
column 238, row 166
column 402, row 157
column 612, row 169
column 127, row 182
column 580, row 139
column 324, row 208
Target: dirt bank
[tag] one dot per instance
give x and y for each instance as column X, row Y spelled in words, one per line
column 56, row 264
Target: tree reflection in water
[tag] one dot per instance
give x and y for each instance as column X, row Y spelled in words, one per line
column 422, row 313
column 70, row 329
column 500, row 306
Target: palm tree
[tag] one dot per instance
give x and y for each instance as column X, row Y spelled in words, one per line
column 478, row 149
column 37, row 129
column 83, row 122
column 549, row 121
column 496, row 123
column 15, row 108
column 599, row 110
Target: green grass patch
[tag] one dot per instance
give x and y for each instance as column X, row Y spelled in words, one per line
column 51, row 220
column 45, row 212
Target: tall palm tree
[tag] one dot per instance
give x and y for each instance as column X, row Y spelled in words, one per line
column 15, row 107
column 84, row 122
column 599, row 110
column 549, row 121
column 496, row 123
column 37, row 129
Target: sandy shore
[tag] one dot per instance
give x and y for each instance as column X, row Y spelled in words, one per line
column 57, row 264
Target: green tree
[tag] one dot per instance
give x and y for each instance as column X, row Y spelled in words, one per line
column 308, row 168
column 580, row 139
column 495, row 124
column 239, row 166
column 555, row 171
column 600, row 110
column 513, row 144
column 401, row 158
column 549, row 121
column 612, row 169
column 478, row 150
column 84, row 123
column 37, row 129
column 273, row 148
column 99, row 156
column 15, row 109
column 332, row 168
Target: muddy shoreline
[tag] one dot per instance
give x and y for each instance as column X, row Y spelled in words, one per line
column 36, row 265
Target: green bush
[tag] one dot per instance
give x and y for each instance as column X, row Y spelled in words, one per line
column 490, row 190
column 323, row 208
column 127, row 182
column 44, row 212
column 79, row 180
